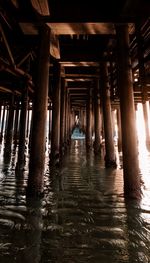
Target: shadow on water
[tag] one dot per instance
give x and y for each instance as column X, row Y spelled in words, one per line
column 7, row 157
column 138, row 233
column 83, row 216
column 31, row 236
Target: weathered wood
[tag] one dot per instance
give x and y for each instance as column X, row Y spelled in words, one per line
column 22, row 131
column 9, row 129
column 89, row 120
column 7, row 47
column 55, row 139
column 97, row 120
column 110, row 157
column 62, row 115
column 142, row 80
column 119, row 130
column 37, row 153
column 2, row 124
column 129, row 135
column 16, row 122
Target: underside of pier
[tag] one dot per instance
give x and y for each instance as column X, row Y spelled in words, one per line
column 75, row 60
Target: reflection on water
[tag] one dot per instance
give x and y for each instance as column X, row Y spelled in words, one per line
column 83, row 216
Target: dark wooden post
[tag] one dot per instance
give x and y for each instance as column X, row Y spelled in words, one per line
column 6, row 120
column 89, row 119
column 28, row 115
column 66, row 108
column 55, row 139
column 62, row 115
column 128, row 124
column 97, row 142
column 31, row 126
column 69, row 119
column 72, row 120
column 38, row 141
column 80, row 118
column 110, row 157
column 16, row 121
column 9, row 130
column 119, row 130
column 22, row 132
column 84, row 120
column 50, row 121
column 3, row 120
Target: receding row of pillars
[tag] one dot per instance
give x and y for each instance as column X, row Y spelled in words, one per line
column 11, row 114
column 62, row 117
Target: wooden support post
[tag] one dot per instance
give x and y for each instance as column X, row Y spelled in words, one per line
column 2, row 123
column 89, row 119
column 50, row 122
column 55, row 140
column 142, row 81
column 119, row 130
column 28, row 122
column 22, row 132
column 62, row 116
column 69, row 120
column 9, row 130
column 84, row 120
column 31, row 127
column 66, row 119
column 132, row 180
column 16, row 122
column 6, row 120
column 97, row 142
column 66, row 108
column 38, row 141
column 110, row 157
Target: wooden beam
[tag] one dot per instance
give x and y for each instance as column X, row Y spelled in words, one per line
column 76, row 88
column 14, row 70
column 23, row 59
column 7, row 90
column 7, row 47
column 81, row 75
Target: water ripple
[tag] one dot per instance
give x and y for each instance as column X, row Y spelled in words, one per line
column 83, row 216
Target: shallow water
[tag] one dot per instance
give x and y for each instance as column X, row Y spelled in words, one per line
column 83, row 216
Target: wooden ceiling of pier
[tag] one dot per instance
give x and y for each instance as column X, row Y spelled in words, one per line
column 82, row 32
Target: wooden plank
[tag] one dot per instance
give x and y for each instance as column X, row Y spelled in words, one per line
column 41, row 7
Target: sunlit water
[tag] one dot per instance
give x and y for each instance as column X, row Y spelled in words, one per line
column 83, row 216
